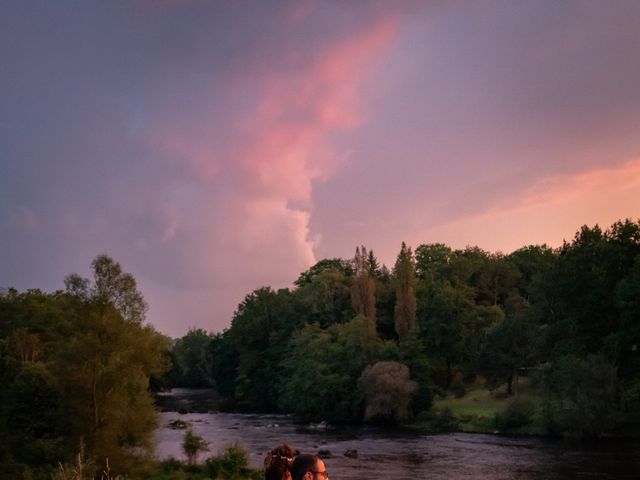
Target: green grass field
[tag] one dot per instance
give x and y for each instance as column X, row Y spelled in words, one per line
column 477, row 410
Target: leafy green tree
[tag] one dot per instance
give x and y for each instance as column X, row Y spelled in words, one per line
column 322, row 371
column 405, row 282
column 260, row 332
column 624, row 343
column 387, row 391
column 532, row 261
column 385, row 305
column 105, row 372
column 496, row 282
column 114, row 287
column 433, row 262
column 445, row 315
column 579, row 395
column 325, row 298
column 327, row 265
column 74, row 366
column 508, row 347
column 193, row 445
column 224, row 366
column 193, row 365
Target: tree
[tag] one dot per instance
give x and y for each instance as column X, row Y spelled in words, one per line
column 260, row 332
column 104, row 372
column 446, row 314
column 387, row 391
column 327, row 265
column 322, row 370
column 111, row 286
column 497, row 283
column 432, row 261
column 405, row 280
column 579, row 395
column 363, row 289
column 508, row 346
column 373, row 265
column 325, row 298
column 193, row 362
column 193, row 445
column 106, row 365
column 75, row 366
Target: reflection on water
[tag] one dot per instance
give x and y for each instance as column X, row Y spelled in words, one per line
column 384, row 454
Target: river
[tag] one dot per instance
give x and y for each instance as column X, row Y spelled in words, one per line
column 384, row 454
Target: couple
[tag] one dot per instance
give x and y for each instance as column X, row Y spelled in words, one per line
column 286, row 463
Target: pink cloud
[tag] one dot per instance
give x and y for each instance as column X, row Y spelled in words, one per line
column 250, row 225
column 299, row 111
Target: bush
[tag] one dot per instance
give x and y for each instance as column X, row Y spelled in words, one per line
column 192, row 445
column 579, row 396
column 439, row 420
column 231, row 464
column 516, row 413
column 457, row 388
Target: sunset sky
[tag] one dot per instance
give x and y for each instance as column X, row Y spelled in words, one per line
column 213, row 147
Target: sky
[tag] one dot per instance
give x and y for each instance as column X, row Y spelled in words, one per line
column 215, row 147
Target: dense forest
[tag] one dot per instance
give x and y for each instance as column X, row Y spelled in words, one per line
column 352, row 341
column 356, row 341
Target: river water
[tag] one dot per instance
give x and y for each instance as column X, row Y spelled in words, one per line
column 384, row 454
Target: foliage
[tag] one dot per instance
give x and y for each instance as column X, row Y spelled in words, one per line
column 517, row 412
column 75, row 367
column 579, row 395
column 322, row 371
column 232, row 463
column 508, row 346
column 387, row 391
column 192, row 446
column 78, row 364
column 363, row 288
column 193, row 362
column 405, row 280
column 260, row 333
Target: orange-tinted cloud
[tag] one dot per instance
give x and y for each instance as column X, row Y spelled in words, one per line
column 550, row 211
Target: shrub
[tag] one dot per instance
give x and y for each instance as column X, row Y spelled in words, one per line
column 439, row 420
column 516, row 413
column 579, row 396
column 231, row 464
column 457, row 388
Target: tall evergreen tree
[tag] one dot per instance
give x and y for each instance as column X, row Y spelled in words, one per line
column 363, row 289
column 404, row 273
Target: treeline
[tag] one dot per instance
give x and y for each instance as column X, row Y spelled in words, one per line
column 354, row 340
column 75, row 370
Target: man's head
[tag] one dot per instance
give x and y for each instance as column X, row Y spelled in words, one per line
column 308, row 467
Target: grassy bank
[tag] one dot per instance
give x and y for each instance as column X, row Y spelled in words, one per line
column 481, row 410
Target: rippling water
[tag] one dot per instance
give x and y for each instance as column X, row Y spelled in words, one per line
column 384, row 454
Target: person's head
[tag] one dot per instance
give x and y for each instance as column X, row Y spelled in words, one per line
column 278, row 462
column 308, row 467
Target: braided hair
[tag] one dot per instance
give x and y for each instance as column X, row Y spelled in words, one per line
column 278, row 462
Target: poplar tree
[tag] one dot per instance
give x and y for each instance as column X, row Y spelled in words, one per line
column 363, row 289
column 405, row 280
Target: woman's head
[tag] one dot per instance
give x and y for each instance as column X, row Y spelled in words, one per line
column 278, row 461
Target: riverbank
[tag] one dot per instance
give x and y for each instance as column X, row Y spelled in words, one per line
column 481, row 410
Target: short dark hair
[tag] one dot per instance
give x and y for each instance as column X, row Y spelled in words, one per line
column 303, row 463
